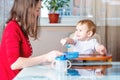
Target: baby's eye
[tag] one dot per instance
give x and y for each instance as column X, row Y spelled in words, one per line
column 80, row 30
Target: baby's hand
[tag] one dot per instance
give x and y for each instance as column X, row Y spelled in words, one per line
column 63, row 41
column 103, row 52
column 101, row 49
column 67, row 41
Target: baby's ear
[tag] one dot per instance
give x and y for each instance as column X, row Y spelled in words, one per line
column 90, row 33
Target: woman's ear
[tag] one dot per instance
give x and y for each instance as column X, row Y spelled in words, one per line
column 90, row 33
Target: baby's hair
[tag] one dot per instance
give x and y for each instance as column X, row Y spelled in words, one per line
column 91, row 25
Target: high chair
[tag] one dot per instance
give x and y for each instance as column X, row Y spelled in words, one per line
column 107, row 58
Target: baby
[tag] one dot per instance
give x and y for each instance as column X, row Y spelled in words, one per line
column 83, row 43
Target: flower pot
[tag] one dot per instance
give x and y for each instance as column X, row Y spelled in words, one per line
column 53, row 18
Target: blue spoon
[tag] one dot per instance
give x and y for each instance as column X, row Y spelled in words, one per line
column 68, row 45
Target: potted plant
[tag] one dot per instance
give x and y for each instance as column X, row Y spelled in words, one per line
column 53, row 6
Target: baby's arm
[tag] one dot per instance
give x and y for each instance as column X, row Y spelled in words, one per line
column 101, row 49
column 67, row 41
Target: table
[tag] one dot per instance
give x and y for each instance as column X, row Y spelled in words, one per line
column 78, row 71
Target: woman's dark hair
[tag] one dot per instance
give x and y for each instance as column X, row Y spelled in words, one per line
column 23, row 11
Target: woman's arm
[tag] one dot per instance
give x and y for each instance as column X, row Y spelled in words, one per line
column 22, row 62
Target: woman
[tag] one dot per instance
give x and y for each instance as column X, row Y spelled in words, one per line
column 15, row 48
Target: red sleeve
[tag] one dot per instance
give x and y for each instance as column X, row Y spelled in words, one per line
column 12, row 41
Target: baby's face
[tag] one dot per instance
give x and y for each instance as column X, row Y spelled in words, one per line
column 82, row 32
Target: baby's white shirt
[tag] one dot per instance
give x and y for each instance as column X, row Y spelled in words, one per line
column 85, row 47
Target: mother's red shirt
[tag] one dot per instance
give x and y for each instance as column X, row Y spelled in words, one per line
column 14, row 44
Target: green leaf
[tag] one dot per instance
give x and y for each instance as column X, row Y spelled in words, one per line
column 54, row 5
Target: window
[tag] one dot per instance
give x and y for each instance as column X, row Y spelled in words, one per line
column 5, row 6
column 76, row 8
column 71, row 15
column 63, row 11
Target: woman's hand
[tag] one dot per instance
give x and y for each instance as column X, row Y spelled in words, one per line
column 52, row 55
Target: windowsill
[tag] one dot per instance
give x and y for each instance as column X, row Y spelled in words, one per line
column 58, row 24
column 65, row 22
column 72, row 21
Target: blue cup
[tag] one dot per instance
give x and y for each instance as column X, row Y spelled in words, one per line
column 71, row 55
column 61, row 64
column 62, row 58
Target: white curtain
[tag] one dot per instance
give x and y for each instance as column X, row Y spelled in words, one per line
column 108, row 21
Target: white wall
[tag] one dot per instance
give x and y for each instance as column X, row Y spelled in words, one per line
column 49, row 39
